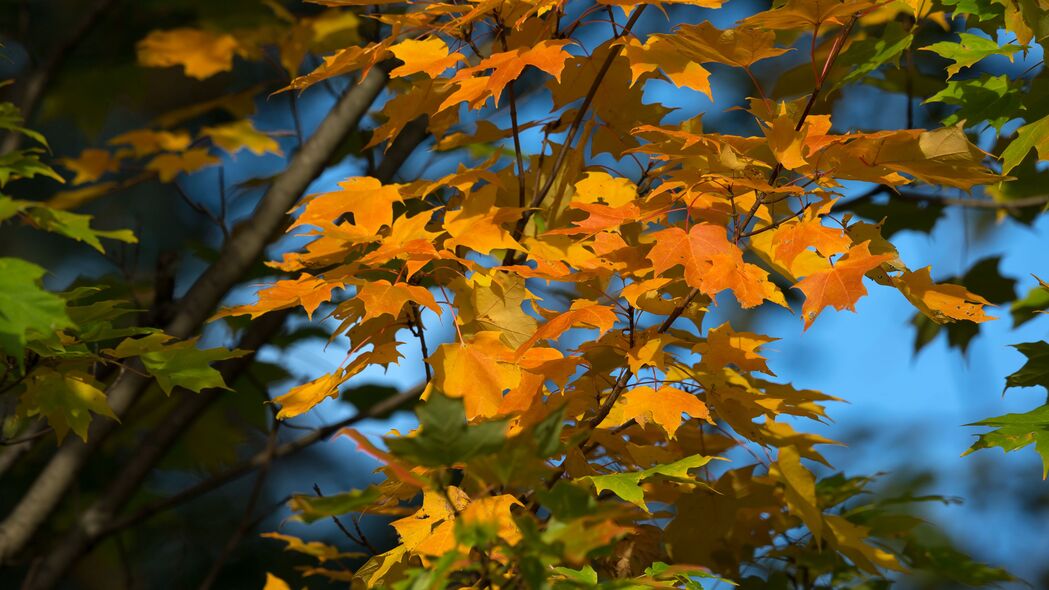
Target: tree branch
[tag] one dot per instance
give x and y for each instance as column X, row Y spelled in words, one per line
column 258, row 460
column 1015, row 204
column 182, row 417
column 237, row 255
column 33, row 89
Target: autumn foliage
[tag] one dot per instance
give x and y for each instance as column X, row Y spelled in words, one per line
column 589, row 425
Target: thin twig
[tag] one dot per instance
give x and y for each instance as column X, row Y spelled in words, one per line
column 573, row 129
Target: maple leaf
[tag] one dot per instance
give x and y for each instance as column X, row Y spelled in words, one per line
column 791, row 239
column 144, row 142
column 320, row 551
column 478, row 224
column 168, row 166
column 808, row 14
column 26, row 309
column 306, row 291
column 177, row 363
column 602, row 187
column 302, row 398
column 494, row 303
column 310, row 508
column 366, row 198
column 800, row 488
column 201, row 54
column 741, row 47
column 848, row 538
column 1035, row 371
column 712, row 264
column 657, row 53
column 491, row 513
column 662, row 407
column 724, row 346
column 628, row 485
column 91, row 165
column 1034, row 135
column 582, row 313
column 65, row 399
column 840, row 286
column 548, row 56
column 242, row 134
column 942, row 303
column 429, row 56
column 380, row 297
column 1016, row 431
column 478, row 371
column 968, row 50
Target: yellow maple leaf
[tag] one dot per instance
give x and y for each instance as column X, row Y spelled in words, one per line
column 201, row 54
column 662, row 407
column 242, row 134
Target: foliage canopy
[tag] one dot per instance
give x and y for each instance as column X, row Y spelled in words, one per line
column 590, row 424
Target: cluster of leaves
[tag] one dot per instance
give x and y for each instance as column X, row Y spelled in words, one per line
column 58, row 348
column 541, row 464
column 588, row 426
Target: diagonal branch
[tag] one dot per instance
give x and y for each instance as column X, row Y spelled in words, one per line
column 256, row 461
column 238, row 254
column 32, row 90
column 86, row 531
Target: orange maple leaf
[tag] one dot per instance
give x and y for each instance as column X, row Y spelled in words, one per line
column 841, row 285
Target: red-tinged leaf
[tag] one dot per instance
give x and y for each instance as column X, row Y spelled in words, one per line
column 505, row 67
column 601, row 218
column 791, row 239
column 403, row 473
column 308, row 291
column 840, row 286
column 582, row 313
column 712, row 264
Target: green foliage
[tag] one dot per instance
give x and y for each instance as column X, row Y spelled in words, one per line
column 987, row 100
column 445, row 436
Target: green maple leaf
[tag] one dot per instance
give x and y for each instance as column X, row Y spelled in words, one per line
column 994, row 99
column 445, row 437
column 1016, row 431
column 1035, row 371
column 1031, row 136
column 867, row 55
column 26, row 308
column 178, row 364
column 65, row 399
column 628, row 485
column 77, row 227
column 310, row 508
column 969, row 50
